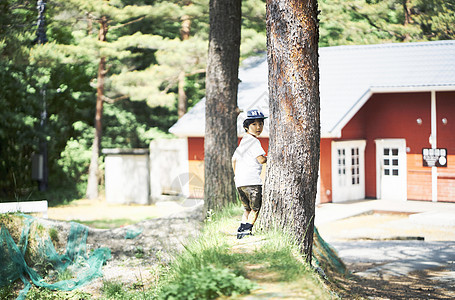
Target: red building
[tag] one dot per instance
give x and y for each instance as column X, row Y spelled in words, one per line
column 381, row 106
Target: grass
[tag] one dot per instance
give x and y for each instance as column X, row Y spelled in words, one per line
column 273, row 258
column 215, row 265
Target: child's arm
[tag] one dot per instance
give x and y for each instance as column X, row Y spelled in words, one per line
column 261, row 159
column 233, row 164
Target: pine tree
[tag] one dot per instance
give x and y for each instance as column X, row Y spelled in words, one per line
column 221, row 103
column 436, row 18
column 110, row 50
column 375, row 21
column 292, row 167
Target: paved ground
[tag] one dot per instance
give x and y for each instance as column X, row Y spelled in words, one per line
column 402, row 243
column 421, row 212
column 399, row 258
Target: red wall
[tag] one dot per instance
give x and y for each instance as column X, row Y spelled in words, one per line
column 326, row 170
column 389, row 116
column 445, row 108
column 394, row 116
column 196, row 147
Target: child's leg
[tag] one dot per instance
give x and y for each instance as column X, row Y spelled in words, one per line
column 252, row 217
column 255, row 203
column 245, row 216
column 246, row 205
column 255, row 200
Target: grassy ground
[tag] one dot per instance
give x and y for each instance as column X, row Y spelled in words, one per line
column 217, row 265
column 263, row 266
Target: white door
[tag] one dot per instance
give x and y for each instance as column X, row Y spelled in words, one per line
column 391, row 169
column 348, row 170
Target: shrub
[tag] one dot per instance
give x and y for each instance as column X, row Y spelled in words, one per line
column 113, row 290
column 207, row 283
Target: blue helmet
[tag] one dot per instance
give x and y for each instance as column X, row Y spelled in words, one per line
column 254, row 114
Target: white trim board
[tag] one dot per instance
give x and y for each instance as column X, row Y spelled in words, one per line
column 25, row 207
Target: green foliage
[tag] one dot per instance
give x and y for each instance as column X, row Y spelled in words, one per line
column 117, row 291
column 123, row 129
column 146, row 53
column 75, row 159
column 18, row 139
column 113, row 290
column 53, row 234
column 6, row 292
column 46, row 294
column 369, row 21
column 436, row 18
column 65, row 275
column 279, row 253
column 208, row 268
column 207, row 283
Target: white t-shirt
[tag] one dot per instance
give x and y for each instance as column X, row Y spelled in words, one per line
column 247, row 168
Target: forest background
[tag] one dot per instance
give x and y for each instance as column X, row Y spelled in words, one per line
column 155, row 55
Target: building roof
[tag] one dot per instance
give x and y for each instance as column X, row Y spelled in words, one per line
column 349, row 75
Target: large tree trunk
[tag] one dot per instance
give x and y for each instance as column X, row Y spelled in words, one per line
column 292, row 169
column 221, row 102
column 93, row 173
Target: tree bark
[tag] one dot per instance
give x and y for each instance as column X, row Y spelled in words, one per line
column 93, row 176
column 292, row 168
column 407, row 19
column 182, row 99
column 221, row 102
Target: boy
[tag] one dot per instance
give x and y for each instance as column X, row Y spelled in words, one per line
column 247, row 163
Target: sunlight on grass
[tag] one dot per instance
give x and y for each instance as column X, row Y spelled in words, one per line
column 271, row 257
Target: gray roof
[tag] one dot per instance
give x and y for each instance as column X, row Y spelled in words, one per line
column 349, row 75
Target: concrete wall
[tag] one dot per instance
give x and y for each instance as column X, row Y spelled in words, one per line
column 143, row 176
column 169, row 174
column 127, row 176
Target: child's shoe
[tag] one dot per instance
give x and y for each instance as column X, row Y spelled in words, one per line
column 246, row 230
column 243, row 233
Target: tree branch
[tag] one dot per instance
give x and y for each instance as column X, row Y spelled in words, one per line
column 131, row 22
column 376, row 26
column 112, row 101
column 168, row 87
column 199, row 71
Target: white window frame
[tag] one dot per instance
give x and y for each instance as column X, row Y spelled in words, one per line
column 348, row 192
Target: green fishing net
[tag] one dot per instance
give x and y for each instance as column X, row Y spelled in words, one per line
column 133, row 233
column 325, row 256
column 76, row 264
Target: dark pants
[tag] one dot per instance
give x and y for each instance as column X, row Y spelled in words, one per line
column 251, row 197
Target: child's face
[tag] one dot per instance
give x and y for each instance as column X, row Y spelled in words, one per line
column 256, row 127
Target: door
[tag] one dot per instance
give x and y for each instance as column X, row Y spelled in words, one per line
column 391, row 169
column 348, row 170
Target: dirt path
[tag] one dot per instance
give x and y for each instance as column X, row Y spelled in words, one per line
column 135, row 260
column 270, row 285
column 138, row 250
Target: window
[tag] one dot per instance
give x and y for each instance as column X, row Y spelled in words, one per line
column 341, row 166
column 355, row 166
column 390, row 159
